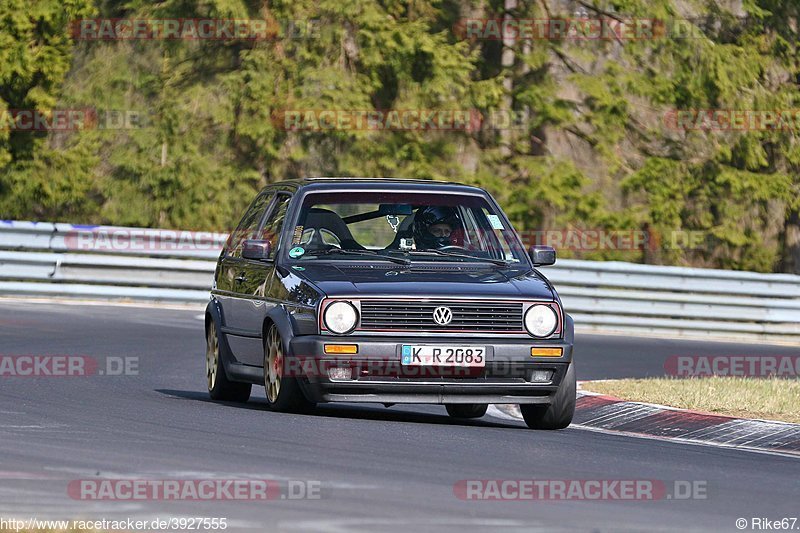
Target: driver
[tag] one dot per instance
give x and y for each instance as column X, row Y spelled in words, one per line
column 434, row 227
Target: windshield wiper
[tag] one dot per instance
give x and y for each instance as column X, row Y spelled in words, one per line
column 498, row 262
column 370, row 253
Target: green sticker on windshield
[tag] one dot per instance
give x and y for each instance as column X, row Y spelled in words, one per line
column 296, row 252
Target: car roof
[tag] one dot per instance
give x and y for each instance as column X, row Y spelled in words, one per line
column 399, row 184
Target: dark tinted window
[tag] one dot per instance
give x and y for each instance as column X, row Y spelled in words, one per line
column 274, row 223
column 250, row 222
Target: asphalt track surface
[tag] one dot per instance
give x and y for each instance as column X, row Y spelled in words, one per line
column 378, row 469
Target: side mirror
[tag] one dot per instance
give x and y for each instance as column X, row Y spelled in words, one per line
column 255, row 249
column 542, row 255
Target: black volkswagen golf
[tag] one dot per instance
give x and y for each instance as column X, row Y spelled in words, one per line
column 388, row 291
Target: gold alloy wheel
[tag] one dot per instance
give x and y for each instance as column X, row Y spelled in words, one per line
column 274, row 365
column 212, row 355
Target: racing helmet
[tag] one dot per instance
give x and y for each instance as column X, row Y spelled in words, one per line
column 430, row 216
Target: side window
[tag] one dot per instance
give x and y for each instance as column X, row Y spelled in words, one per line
column 249, row 224
column 274, row 222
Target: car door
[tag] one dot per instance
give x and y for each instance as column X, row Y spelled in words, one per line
column 229, row 290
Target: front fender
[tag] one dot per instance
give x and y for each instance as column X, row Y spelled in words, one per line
column 569, row 329
column 279, row 316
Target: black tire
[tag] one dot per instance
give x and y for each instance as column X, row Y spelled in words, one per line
column 221, row 388
column 283, row 392
column 559, row 413
column 466, row 410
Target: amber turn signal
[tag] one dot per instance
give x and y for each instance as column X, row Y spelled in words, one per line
column 341, row 349
column 547, row 352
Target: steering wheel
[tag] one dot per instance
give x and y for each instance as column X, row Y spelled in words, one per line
column 453, row 248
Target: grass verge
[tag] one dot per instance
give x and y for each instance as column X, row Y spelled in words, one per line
column 769, row 398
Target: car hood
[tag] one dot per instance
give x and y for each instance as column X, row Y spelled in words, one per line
column 439, row 281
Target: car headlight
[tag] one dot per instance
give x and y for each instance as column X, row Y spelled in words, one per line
column 541, row 320
column 340, row 317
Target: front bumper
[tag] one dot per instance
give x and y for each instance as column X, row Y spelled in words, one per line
column 378, row 376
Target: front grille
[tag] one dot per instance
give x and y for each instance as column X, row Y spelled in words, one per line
column 418, row 316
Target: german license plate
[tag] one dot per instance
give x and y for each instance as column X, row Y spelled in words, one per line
column 437, row 355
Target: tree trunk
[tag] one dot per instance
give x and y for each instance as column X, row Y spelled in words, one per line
column 507, row 62
column 790, row 262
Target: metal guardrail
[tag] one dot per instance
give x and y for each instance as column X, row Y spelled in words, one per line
column 104, row 262
column 679, row 301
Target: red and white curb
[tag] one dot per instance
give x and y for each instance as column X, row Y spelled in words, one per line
column 596, row 412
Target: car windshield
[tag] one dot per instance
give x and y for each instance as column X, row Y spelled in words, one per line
column 369, row 226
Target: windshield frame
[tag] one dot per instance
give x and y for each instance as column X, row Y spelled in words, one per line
column 377, row 188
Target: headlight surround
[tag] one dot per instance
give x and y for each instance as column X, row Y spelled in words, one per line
column 541, row 320
column 340, row 317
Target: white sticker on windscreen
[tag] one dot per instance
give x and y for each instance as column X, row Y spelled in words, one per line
column 495, row 221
